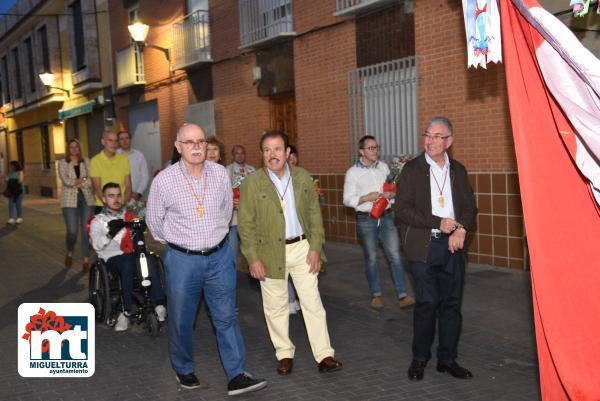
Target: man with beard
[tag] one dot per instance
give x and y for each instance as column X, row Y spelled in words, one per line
column 282, row 235
column 107, row 233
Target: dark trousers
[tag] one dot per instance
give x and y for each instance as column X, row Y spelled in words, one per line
column 438, row 293
column 125, row 265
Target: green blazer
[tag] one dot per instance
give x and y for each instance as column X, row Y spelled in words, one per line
column 261, row 223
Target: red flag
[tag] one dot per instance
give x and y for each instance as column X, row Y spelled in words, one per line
column 553, row 99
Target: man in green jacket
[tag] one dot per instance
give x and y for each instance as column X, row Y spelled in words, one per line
column 281, row 232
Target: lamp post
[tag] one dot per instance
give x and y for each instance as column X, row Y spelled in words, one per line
column 139, row 32
column 47, row 79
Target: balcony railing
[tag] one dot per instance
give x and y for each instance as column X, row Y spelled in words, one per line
column 352, row 7
column 130, row 67
column 191, row 40
column 264, row 21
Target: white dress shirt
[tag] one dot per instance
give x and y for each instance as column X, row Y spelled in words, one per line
column 292, row 224
column 361, row 180
column 440, row 173
column 139, row 170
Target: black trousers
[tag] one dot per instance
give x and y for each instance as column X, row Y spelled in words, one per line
column 438, row 290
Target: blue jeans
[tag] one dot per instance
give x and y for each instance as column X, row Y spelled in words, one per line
column 15, row 206
column 370, row 232
column 187, row 278
column 125, row 265
column 75, row 218
column 438, row 295
column 234, row 241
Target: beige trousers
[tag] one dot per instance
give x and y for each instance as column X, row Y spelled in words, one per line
column 275, row 305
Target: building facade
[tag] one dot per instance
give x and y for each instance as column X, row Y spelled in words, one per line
column 63, row 40
column 326, row 73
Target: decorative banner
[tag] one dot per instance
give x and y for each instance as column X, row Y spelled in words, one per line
column 482, row 26
column 553, row 87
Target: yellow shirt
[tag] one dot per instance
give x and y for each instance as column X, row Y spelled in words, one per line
column 110, row 169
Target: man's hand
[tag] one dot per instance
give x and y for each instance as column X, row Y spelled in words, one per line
column 456, row 241
column 114, row 226
column 236, row 202
column 257, row 270
column 448, row 225
column 313, row 259
column 370, row 197
column 135, row 196
column 388, row 195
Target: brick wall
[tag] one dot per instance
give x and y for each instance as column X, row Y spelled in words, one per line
column 321, row 63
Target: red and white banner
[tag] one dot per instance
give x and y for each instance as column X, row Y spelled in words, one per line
column 553, row 93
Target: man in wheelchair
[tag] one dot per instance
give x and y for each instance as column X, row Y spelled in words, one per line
column 112, row 241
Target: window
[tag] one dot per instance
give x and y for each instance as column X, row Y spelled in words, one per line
column 30, row 65
column 134, row 16
column 79, row 40
column 43, row 35
column 6, row 92
column 382, row 101
column 45, row 147
column 20, row 151
column 19, row 89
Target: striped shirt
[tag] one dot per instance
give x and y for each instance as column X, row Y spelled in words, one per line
column 172, row 209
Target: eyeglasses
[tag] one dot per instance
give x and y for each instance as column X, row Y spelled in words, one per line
column 192, row 144
column 434, row 138
column 371, row 148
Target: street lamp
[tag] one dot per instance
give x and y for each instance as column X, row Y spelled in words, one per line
column 48, row 79
column 138, row 32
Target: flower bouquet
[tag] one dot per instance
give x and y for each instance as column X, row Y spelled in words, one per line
column 390, row 185
column 136, row 208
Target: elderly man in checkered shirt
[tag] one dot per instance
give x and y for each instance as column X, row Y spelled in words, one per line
column 189, row 208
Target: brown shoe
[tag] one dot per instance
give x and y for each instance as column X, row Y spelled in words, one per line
column 284, row 366
column 329, row 364
column 376, row 303
column 86, row 266
column 68, row 261
column 406, row 301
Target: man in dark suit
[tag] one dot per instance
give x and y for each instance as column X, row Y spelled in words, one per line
column 436, row 207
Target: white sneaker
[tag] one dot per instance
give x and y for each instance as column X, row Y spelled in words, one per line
column 294, row 307
column 122, row 322
column 19, row 220
column 11, row 221
column 161, row 313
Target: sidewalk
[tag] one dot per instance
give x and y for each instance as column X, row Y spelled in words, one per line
column 497, row 342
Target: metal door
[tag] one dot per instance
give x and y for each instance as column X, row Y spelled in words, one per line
column 145, row 133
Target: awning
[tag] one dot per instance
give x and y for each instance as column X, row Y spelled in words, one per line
column 75, row 111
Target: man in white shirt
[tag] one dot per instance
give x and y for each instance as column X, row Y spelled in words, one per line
column 139, row 167
column 363, row 186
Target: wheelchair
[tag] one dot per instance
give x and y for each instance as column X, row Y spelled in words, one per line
column 105, row 292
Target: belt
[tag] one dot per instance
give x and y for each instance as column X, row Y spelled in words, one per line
column 295, row 239
column 369, row 213
column 205, row 252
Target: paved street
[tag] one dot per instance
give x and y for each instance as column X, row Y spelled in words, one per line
column 497, row 342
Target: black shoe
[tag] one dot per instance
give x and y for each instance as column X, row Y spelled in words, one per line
column 455, row 370
column 189, row 381
column 244, row 383
column 416, row 371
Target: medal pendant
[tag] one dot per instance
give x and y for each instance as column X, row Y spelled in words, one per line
column 201, row 210
column 282, row 203
column 441, row 201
